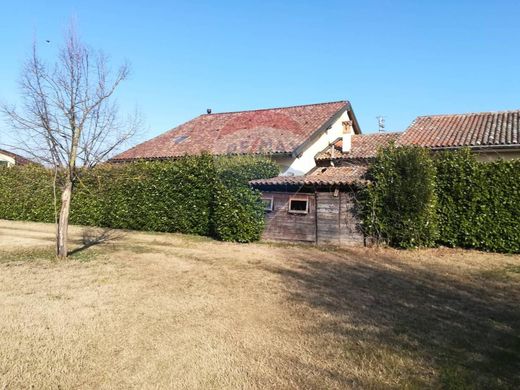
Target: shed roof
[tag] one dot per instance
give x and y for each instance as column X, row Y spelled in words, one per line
column 325, row 176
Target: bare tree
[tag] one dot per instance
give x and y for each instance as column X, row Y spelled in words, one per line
column 68, row 119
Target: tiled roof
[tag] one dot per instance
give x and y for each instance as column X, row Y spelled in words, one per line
column 267, row 131
column 327, row 176
column 18, row 160
column 363, row 146
column 483, row 129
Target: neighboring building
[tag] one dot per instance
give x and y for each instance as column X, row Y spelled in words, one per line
column 490, row 135
column 10, row 159
column 291, row 136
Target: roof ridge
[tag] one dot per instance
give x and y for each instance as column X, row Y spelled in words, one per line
column 378, row 133
column 277, row 108
column 471, row 113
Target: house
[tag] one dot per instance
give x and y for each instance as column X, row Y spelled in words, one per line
column 10, row 159
column 321, row 207
column 323, row 158
column 291, row 136
column 490, row 135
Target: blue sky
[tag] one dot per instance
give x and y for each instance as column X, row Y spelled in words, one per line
column 399, row 59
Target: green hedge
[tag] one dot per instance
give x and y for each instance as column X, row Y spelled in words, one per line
column 238, row 212
column 479, row 203
column 26, row 193
column 446, row 198
column 400, row 203
column 195, row 195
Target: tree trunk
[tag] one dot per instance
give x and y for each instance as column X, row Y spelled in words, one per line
column 63, row 222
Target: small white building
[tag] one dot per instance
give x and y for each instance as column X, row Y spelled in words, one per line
column 9, row 159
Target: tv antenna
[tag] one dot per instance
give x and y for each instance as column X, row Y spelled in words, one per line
column 381, row 123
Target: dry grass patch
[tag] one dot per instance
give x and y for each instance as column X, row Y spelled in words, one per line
column 139, row 310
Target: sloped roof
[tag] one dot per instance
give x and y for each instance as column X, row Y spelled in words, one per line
column 477, row 130
column 326, row 176
column 364, row 146
column 19, row 160
column 266, row 131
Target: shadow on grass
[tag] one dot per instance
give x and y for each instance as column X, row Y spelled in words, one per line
column 95, row 236
column 466, row 327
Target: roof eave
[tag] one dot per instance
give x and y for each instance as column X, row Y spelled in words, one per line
column 476, row 147
column 163, row 158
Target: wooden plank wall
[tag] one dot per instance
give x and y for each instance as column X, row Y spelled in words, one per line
column 281, row 225
column 350, row 221
column 329, row 216
column 335, row 220
column 338, row 220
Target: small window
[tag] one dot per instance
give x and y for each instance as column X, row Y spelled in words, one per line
column 4, row 163
column 180, row 139
column 299, row 205
column 268, row 204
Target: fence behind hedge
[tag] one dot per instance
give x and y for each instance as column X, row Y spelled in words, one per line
column 195, row 195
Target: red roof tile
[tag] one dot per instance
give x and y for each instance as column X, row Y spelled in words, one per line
column 483, row 129
column 327, row 176
column 267, row 131
column 363, row 146
column 18, row 160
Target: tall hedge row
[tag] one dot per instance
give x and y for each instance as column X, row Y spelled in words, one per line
column 26, row 193
column 196, row 195
column 479, row 203
column 238, row 214
column 448, row 198
column 401, row 200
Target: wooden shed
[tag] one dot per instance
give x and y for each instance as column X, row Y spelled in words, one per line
column 317, row 208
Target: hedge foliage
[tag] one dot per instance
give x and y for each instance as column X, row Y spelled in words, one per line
column 401, row 202
column 200, row 195
column 26, row 193
column 447, row 198
column 238, row 212
column 479, row 203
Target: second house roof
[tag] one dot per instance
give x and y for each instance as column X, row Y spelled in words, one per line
column 476, row 130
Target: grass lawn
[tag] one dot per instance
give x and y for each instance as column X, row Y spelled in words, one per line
column 171, row 311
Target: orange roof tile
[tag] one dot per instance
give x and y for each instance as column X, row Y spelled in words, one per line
column 363, row 146
column 325, row 176
column 267, row 131
column 482, row 129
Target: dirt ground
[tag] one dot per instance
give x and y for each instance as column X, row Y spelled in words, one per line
column 141, row 310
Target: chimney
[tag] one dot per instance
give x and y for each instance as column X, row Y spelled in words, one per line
column 347, row 136
column 208, row 111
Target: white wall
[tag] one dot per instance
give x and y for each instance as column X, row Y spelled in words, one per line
column 300, row 166
column 497, row 155
column 10, row 160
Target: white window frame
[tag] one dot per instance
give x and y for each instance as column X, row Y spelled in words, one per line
column 301, row 199
column 271, row 204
